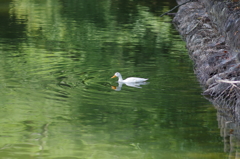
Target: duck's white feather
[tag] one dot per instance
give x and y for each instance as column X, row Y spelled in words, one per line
column 130, row 79
column 135, row 79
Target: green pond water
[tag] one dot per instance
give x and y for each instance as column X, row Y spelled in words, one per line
column 57, row 98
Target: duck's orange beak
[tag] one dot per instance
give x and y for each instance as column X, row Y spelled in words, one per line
column 114, row 76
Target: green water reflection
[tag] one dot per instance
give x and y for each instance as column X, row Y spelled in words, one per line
column 57, row 101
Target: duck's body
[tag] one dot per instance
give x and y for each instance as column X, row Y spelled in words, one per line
column 130, row 79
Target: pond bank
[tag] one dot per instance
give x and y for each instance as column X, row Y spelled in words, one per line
column 212, row 34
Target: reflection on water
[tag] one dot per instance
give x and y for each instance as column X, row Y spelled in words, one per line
column 136, row 85
column 56, row 58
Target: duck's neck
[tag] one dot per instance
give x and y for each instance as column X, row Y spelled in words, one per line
column 120, row 78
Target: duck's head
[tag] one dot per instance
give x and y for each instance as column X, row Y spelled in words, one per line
column 117, row 74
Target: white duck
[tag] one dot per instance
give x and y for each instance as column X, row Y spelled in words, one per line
column 128, row 80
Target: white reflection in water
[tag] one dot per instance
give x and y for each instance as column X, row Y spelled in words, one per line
column 130, row 84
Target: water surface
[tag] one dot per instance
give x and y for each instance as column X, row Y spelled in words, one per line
column 57, row 97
